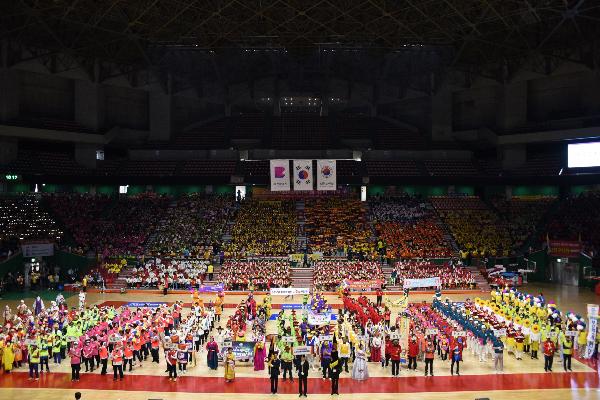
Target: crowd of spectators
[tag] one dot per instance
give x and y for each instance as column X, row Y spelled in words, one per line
column 577, row 219
column 109, row 227
column 176, row 274
column 522, row 215
column 328, row 274
column 451, row 276
column 266, row 228
column 260, row 274
column 408, row 228
column 477, row 230
column 338, row 226
column 24, row 218
column 193, row 226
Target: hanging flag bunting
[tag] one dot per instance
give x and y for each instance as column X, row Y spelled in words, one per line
column 326, row 175
column 303, row 179
column 280, row 175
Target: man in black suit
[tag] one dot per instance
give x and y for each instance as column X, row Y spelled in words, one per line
column 274, row 368
column 336, row 369
column 303, row 367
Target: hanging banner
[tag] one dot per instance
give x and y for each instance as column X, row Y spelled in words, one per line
column 359, row 285
column 592, row 312
column 564, row 248
column 303, row 179
column 289, row 291
column 37, row 249
column 326, row 175
column 280, row 175
column 219, row 287
column 423, row 282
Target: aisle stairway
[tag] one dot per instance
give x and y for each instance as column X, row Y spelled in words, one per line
column 480, row 280
column 302, row 277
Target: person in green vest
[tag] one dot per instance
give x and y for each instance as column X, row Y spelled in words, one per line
column 44, row 354
column 56, row 343
column 567, row 350
column 34, row 362
column 287, row 357
column 63, row 345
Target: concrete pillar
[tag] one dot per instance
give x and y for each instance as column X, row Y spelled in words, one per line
column 89, row 105
column 85, row 154
column 512, row 105
column 441, row 115
column 8, row 150
column 161, row 106
column 9, row 94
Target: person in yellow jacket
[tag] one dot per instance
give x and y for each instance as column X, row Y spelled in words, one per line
column 567, row 350
column 8, row 357
column 581, row 342
column 34, row 362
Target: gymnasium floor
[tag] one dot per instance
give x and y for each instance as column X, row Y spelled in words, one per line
column 524, row 379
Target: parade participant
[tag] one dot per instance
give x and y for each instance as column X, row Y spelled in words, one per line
column 88, row 359
column 75, row 354
column 549, row 349
column 534, row 338
column 286, row 362
column 171, row 357
column 326, row 359
column 128, row 355
column 360, row 369
column 212, row 355
column 274, row 365
column 376, row 345
column 34, row 362
column 116, row 356
column 103, row 353
column 154, row 348
column 334, row 374
column 259, row 356
column 429, row 355
column 413, row 352
column 567, row 352
column 395, row 350
column 344, row 354
column 8, row 357
column 303, row 367
column 44, row 355
column 498, row 355
column 182, row 357
column 456, row 354
column 229, row 366
column 56, row 340
column 444, row 344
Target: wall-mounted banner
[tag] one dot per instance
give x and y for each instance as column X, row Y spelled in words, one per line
column 359, row 285
column 303, row 175
column 138, row 304
column 326, row 175
column 219, row 287
column 288, row 291
column 423, row 282
column 280, row 175
column 37, row 249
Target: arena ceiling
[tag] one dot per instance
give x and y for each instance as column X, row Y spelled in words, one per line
column 188, row 41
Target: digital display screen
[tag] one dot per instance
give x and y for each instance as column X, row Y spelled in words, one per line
column 584, row 155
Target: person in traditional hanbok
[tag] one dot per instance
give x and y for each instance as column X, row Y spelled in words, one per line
column 229, row 366
column 259, row 356
column 212, row 356
column 376, row 344
column 360, row 369
column 8, row 357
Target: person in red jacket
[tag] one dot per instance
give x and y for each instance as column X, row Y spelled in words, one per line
column 413, row 352
column 549, row 350
column 171, row 356
column 429, row 355
column 395, row 351
column 379, row 294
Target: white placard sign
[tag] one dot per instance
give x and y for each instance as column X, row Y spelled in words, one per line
column 432, row 331
column 301, row 350
column 319, row 319
column 288, row 291
column 571, row 333
column 288, row 339
column 458, row 334
column 328, row 338
column 500, row 332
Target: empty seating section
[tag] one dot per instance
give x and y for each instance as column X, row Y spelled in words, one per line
column 543, row 164
column 352, row 127
column 208, row 168
column 393, row 168
column 256, row 168
column 390, row 136
column 26, row 163
column 348, row 168
column 476, row 229
column 148, row 168
column 54, row 163
column 450, row 168
column 300, row 131
column 209, row 136
column 249, row 126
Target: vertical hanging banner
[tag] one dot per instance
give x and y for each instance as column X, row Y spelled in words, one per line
column 326, row 175
column 280, row 175
column 303, row 179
